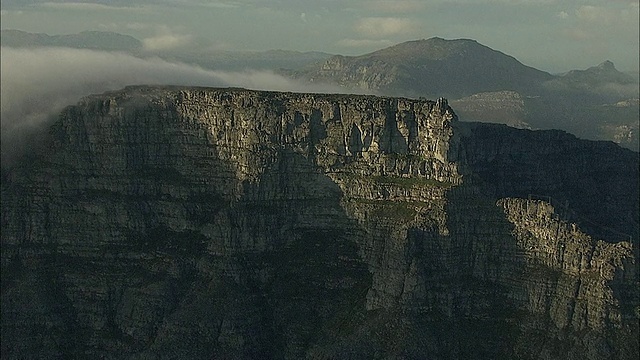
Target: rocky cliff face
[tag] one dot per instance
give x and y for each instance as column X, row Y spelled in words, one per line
column 192, row 222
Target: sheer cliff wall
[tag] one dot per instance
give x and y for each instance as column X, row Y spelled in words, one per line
column 191, row 222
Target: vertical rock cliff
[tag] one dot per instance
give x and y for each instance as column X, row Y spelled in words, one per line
column 167, row 222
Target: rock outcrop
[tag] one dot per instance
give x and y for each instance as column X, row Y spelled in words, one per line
column 167, row 222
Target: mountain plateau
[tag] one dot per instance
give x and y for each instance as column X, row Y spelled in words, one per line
column 183, row 222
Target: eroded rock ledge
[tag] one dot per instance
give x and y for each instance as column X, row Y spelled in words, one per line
column 180, row 222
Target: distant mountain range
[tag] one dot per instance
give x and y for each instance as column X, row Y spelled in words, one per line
column 276, row 60
column 455, row 69
column 489, row 86
column 482, row 84
column 206, row 58
column 94, row 40
column 605, row 72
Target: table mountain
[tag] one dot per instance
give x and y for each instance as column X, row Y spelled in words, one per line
column 176, row 222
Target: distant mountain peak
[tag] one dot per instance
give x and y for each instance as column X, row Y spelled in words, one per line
column 606, row 65
column 602, row 73
column 426, row 51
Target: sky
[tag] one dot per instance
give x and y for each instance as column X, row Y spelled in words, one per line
column 554, row 36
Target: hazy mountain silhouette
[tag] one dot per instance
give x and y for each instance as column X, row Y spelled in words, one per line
column 604, row 72
column 601, row 83
column 432, row 68
column 190, row 54
column 94, row 40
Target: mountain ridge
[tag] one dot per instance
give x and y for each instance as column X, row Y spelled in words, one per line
column 95, row 40
column 201, row 222
column 430, row 68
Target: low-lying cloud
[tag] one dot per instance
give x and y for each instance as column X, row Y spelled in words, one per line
column 357, row 43
column 377, row 27
column 166, row 42
column 37, row 83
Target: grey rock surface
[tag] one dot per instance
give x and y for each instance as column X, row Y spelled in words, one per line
column 172, row 223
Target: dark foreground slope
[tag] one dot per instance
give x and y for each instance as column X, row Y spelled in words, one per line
column 226, row 223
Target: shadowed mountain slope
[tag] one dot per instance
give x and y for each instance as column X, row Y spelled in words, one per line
column 182, row 222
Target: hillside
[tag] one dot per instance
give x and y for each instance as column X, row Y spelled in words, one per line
column 199, row 223
column 430, row 68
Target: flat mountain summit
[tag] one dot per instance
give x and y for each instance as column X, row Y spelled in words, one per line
column 200, row 223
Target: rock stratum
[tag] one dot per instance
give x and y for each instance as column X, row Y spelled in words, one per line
column 173, row 223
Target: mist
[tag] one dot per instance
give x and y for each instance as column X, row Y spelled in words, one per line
column 36, row 84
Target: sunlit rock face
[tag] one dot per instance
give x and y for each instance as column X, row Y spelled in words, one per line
column 167, row 222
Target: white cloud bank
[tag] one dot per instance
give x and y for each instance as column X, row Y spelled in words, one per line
column 37, row 83
column 166, row 42
column 376, row 27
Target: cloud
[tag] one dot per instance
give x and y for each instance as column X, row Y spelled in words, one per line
column 138, row 26
column 367, row 43
column 219, row 5
column 158, row 37
column 37, row 83
column 4, row 12
column 166, row 42
column 164, row 37
column 576, row 34
column 377, row 27
column 605, row 15
column 92, row 6
column 521, row 2
column 595, row 14
column 396, row 6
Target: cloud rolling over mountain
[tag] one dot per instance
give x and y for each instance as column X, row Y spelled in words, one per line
column 37, row 83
